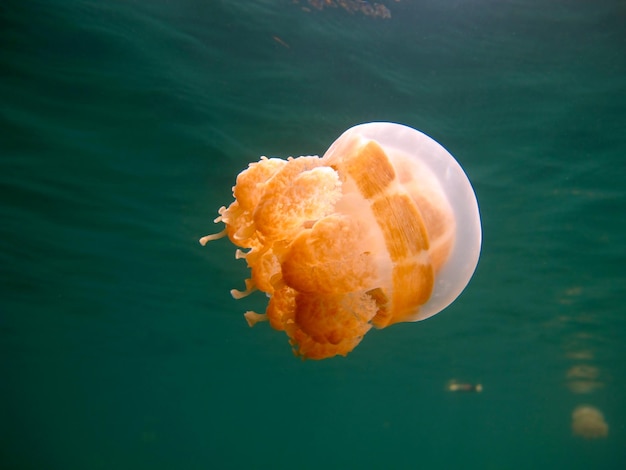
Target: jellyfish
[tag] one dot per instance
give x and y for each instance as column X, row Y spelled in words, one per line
column 384, row 228
column 588, row 422
column 456, row 386
column 582, row 379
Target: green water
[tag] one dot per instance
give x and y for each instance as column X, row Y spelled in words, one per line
column 122, row 127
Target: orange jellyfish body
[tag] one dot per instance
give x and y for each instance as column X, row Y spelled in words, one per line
column 352, row 240
column 588, row 422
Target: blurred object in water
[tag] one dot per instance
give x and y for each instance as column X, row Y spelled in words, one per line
column 582, row 354
column 582, row 379
column 280, row 41
column 454, row 386
column 588, row 422
column 583, row 371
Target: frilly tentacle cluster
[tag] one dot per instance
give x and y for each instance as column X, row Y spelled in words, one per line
column 336, row 243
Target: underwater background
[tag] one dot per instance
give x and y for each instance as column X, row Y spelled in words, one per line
column 123, row 125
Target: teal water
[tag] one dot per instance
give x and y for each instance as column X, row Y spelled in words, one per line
column 122, row 127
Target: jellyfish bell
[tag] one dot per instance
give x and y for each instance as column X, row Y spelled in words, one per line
column 384, row 228
column 588, row 422
column 442, row 190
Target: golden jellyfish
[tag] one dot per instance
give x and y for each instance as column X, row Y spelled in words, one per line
column 588, row 422
column 384, row 228
column 456, row 386
column 582, row 379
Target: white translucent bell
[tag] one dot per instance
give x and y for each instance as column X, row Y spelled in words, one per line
column 397, row 139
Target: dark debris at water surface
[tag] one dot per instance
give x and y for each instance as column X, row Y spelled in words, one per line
column 372, row 9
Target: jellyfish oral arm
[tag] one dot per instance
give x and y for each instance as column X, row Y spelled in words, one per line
column 207, row 238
